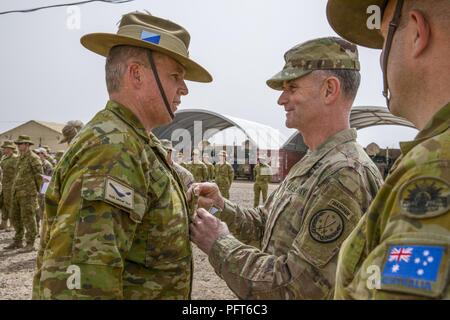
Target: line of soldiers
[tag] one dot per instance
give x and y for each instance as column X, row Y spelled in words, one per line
column 21, row 179
column 222, row 173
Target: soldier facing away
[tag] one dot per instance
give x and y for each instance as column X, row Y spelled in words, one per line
column 403, row 242
column 115, row 213
column 304, row 221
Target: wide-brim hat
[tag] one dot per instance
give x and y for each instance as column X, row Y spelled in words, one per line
column 157, row 34
column 8, row 144
column 24, row 139
column 349, row 19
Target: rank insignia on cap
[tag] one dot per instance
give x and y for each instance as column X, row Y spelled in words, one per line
column 415, row 269
column 150, row 37
column 425, row 197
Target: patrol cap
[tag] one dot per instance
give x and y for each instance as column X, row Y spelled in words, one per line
column 330, row 53
column 167, row 144
column 349, row 19
column 8, row 144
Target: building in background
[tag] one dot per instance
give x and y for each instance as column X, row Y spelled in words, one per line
column 42, row 133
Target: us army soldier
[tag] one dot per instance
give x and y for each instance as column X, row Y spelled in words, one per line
column 305, row 220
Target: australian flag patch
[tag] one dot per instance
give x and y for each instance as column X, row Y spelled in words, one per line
column 413, row 268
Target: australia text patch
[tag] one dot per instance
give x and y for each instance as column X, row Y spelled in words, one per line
column 119, row 194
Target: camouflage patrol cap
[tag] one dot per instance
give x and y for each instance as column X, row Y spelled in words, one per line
column 329, row 53
column 167, row 144
column 8, row 144
column 349, row 18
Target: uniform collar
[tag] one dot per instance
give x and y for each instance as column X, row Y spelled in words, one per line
column 312, row 157
column 438, row 124
column 127, row 116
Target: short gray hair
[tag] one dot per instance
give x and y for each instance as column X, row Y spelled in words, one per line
column 349, row 79
column 116, row 64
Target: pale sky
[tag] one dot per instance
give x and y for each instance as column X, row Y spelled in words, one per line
column 47, row 75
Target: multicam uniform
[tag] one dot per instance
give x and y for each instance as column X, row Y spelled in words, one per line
column 300, row 228
column 117, row 214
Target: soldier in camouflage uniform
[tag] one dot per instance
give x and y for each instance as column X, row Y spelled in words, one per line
column 198, row 168
column 209, row 166
column 224, row 174
column 116, row 218
column 183, row 173
column 305, row 220
column 48, row 171
column 25, row 190
column 8, row 166
column 262, row 173
column 49, row 156
column 401, row 248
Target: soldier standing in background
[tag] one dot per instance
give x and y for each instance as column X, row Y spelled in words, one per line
column 48, row 171
column 209, row 166
column 263, row 174
column 198, row 168
column 70, row 130
column 224, row 174
column 8, row 164
column 25, row 190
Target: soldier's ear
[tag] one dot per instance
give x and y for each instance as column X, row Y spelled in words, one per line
column 331, row 90
column 419, row 31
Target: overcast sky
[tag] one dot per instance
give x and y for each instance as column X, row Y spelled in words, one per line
column 47, row 75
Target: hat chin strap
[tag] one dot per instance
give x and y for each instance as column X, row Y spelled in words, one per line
column 158, row 82
column 393, row 25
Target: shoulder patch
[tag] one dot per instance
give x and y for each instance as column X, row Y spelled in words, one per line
column 417, row 269
column 118, row 193
column 326, row 226
column 425, row 197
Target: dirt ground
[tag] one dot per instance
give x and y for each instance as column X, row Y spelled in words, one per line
column 16, row 269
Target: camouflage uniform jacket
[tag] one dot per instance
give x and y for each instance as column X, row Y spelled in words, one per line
column 8, row 165
column 116, row 217
column 224, row 173
column 262, row 173
column 27, row 181
column 301, row 226
column 401, row 249
column 211, row 169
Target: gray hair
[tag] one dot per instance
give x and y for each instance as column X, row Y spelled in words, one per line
column 116, row 64
column 349, row 79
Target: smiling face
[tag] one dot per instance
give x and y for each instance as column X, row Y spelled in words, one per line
column 300, row 99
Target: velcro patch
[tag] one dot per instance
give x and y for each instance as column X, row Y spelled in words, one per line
column 326, row 226
column 425, row 197
column 120, row 194
column 417, row 269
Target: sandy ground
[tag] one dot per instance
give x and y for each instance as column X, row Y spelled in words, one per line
column 16, row 269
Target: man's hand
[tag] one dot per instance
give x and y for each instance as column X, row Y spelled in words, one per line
column 208, row 195
column 206, row 229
